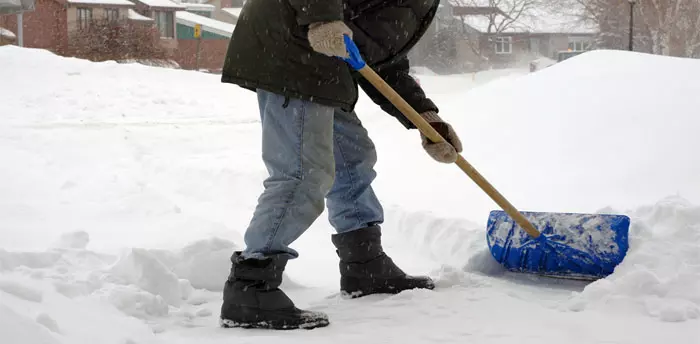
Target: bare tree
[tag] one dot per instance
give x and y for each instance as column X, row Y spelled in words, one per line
column 491, row 17
column 510, row 13
column 673, row 25
column 664, row 27
column 689, row 29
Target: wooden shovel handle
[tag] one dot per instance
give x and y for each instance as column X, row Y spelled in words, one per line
column 434, row 136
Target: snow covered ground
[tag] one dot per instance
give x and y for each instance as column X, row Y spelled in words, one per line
column 125, row 188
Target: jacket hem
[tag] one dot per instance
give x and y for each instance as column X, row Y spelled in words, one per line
column 253, row 85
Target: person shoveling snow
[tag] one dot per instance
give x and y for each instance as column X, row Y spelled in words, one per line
column 315, row 147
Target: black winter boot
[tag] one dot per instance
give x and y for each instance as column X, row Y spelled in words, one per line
column 365, row 269
column 252, row 298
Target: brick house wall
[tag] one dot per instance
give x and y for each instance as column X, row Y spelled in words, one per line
column 43, row 28
column 50, row 25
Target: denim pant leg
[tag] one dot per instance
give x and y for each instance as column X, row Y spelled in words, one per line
column 297, row 149
column 352, row 203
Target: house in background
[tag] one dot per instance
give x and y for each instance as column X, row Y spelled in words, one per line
column 53, row 23
column 165, row 31
column 526, row 39
column 466, row 38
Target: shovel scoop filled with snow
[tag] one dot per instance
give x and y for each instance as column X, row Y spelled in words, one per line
column 574, row 246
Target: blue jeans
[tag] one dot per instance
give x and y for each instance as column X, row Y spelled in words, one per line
column 313, row 154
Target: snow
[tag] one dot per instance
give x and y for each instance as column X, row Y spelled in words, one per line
column 102, row 2
column 234, row 11
column 7, row 34
column 199, row 7
column 162, row 4
column 542, row 62
column 208, row 24
column 133, row 15
column 479, row 23
column 125, row 189
column 661, row 276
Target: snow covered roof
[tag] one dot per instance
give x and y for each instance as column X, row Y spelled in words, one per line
column 135, row 16
column 208, row 24
column 101, row 2
column 234, row 11
column 7, row 34
column 199, row 7
column 162, row 4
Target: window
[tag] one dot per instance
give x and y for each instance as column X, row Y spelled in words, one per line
column 164, row 22
column 579, row 45
column 84, row 18
column 504, row 45
column 112, row 14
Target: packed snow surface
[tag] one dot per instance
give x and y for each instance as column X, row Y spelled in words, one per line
column 124, row 189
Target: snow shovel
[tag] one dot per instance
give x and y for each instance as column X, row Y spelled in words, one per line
column 564, row 245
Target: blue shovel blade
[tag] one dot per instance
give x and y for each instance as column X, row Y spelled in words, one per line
column 576, row 246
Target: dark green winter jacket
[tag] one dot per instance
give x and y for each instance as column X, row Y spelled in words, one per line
column 269, row 50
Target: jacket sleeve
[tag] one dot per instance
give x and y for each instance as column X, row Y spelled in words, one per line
column 397, row 76
column 311, row 11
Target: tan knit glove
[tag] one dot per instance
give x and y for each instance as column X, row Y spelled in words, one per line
column 445, row 152
column 327, row 38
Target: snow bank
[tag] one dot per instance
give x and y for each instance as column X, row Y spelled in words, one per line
column 447, row 240
column 55, row 318
column 605, row 128
column 143, row 283
column 661, row 273
column 659, row 277
column 204, row 264
column 110, row 92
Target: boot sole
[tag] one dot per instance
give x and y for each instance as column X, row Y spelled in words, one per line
column 274, row 325
column 353, row 288
column 255, row 318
